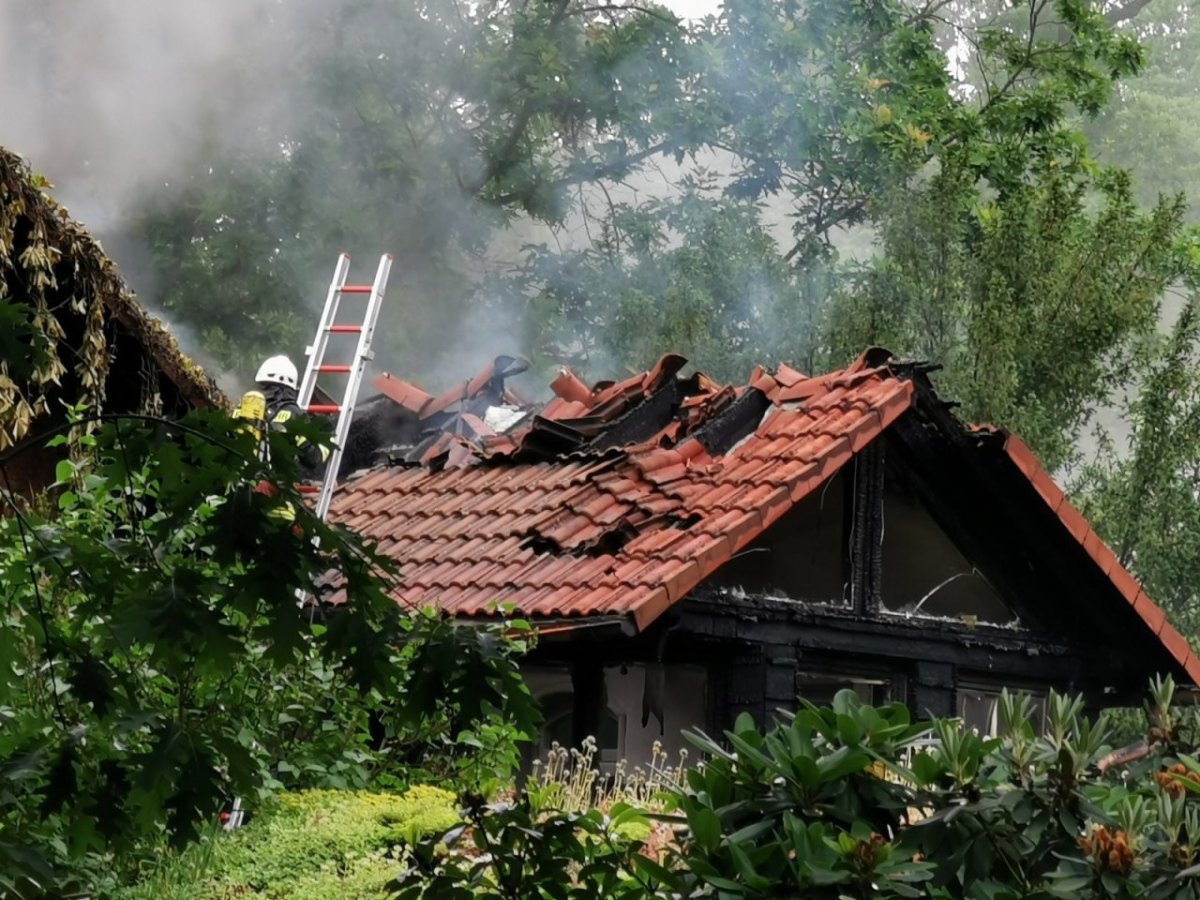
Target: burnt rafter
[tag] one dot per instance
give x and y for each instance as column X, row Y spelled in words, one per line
column 866, row 528
column 738, row 421
column 815, row 629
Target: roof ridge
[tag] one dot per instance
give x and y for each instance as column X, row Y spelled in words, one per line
column 1108, row 562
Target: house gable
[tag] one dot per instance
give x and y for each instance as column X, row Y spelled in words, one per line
column 554, row 518
column 807, row 556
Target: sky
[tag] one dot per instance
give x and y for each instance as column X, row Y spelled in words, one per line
column 693, row 9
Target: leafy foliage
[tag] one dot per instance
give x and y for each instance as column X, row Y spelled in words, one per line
column 155, row 660
column 989, row 288
column 800, row 809
column 854, row 801
column 310, row 844
column 521, row 853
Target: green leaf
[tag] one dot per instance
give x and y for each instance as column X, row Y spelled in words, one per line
column 705, row 827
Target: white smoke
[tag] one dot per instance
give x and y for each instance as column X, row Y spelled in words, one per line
column 108, row 98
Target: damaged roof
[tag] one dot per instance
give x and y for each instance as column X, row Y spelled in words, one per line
column 78, row 302
column 623, row 497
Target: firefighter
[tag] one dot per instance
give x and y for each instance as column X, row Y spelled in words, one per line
column 272, row 406
column 278, row 381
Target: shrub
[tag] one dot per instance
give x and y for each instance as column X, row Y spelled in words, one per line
column 857, row 802
column 154, row 661
column 310, row 844
column 569, row 780
column 524, row 850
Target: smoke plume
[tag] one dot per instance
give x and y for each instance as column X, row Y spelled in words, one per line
column 108, row 98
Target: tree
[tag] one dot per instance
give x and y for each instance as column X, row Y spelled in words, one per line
column 155, row 660
column 1152, row 126
column 427, row 129
column 855, row 147
column 1039, row 304
column 423, row 127
column 1143, row 497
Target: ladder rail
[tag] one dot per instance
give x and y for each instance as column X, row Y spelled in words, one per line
column 316, row 351
column 362, row 355
column 345, row 412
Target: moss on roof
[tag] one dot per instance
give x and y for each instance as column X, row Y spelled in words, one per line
column 61, row 303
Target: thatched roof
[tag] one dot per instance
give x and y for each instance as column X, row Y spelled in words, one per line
column 66, row 316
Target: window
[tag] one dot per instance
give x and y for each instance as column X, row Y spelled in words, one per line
column 979, row 709
column 924, row 572
column 820, row 688
column 801, row 557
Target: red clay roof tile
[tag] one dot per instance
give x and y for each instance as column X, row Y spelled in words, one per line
column 645, row 604
column 402, row 392
column 490, row 528
column 1149, row 611
column 569, row 387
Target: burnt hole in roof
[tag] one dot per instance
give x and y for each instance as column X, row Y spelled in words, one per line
column 609, row 543
column 548, row 439
column 612, row 542
column 718, row 435
column 683, row 523
column 644, row 420
column 540, row 544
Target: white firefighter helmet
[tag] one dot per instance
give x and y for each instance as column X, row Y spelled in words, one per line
column 277, row 370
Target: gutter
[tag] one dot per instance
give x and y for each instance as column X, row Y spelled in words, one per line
column 568, row 627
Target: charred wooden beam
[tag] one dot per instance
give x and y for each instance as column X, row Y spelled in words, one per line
column 588, row 695
column 932, row 690
column 730, row 426
column 745, row 688
column 866, row 538
column 810, row 628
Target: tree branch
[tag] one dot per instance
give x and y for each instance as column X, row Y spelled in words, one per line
column 595, row 173
column 519, row 124
column 1125, row 11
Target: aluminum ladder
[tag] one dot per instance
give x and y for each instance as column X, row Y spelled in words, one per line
column 316, row 365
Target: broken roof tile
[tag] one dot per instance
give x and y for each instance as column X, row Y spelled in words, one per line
column 406, row 394
column 569, row 387
column 541, row 521
column 787, row 376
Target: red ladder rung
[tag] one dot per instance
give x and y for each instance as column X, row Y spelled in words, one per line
column 356, row 289
column 333, row 369
column 323, row 408
column 345, row 329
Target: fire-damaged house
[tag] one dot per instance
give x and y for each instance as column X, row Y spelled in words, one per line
column 71, row 333
column 691, row 551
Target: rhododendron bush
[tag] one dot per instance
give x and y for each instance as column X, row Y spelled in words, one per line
column 858, row 801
